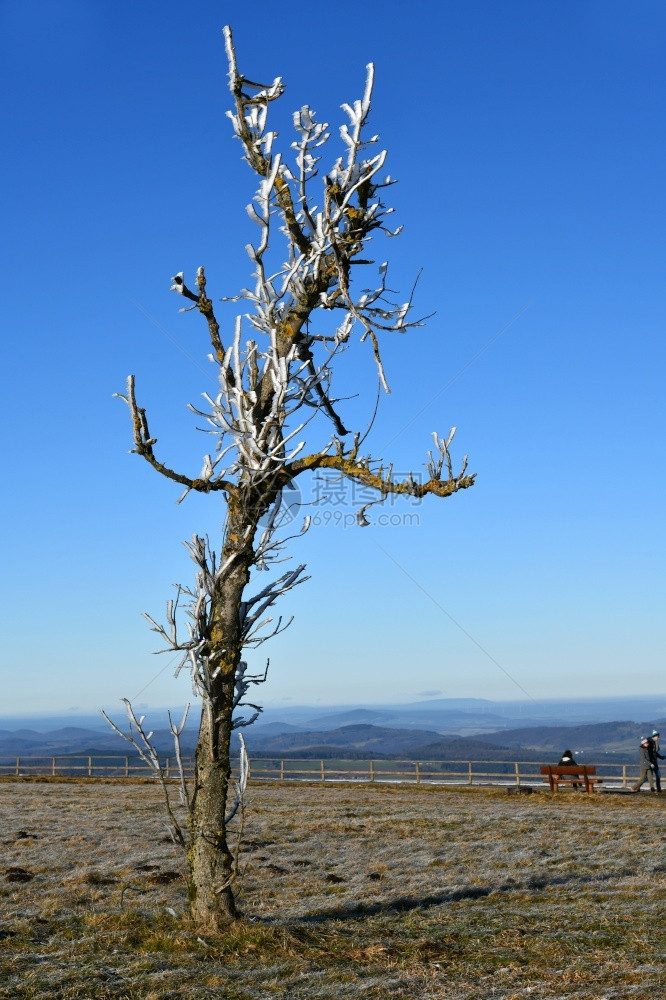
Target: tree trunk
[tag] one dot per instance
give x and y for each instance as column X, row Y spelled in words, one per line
column 210, row 860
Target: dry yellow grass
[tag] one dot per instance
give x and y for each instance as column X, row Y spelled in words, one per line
column 348, row 891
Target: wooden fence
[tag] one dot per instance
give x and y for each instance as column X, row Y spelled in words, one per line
column 448, row 772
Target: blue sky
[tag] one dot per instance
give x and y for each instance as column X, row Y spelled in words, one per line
column 528, row 140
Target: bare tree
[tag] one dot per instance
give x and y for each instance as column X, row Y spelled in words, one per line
column 276, row 395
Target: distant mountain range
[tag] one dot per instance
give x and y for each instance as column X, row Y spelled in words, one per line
column 446, row 716
column 471, row 716
column 614, row 741
column 603, row 737
column 73, row 740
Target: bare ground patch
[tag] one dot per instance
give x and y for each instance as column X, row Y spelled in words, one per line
column 349, row 891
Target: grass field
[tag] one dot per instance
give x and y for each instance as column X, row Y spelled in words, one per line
column 348, row 891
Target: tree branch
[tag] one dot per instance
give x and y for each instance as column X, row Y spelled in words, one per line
column 362, row 471
column 143, row 445
column 250, row 130
column 141, row 741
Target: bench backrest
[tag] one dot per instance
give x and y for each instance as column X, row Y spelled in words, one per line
column 569, row 769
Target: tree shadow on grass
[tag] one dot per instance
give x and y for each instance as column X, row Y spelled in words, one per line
column 402, row 904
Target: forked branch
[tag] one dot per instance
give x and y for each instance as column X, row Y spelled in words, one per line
column 143, row 445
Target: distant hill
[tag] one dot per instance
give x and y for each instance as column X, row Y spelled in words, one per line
column 604, row 737
column 73, row 740
column 472, row 748
column 368, row 739
column 270, row 729
column 355, row 716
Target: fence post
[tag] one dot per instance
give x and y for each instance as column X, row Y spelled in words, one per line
column 323, row 773
column 372, row 770
column 166, row 768
column 90, row 767
column 281, row 770
column 469, row 772
column 624, row 775
column 53, row 767
column 517, row 768
column 18, row 766
column 127, row 767
column 418, row 772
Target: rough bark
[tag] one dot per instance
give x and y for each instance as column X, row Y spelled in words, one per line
column 210, row 859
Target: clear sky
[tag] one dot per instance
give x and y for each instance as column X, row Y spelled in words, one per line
column 528, row 140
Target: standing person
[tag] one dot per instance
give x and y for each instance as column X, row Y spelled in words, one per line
column 655, row 756
column 646, row 765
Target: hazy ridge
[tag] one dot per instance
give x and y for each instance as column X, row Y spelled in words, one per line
column 437, row 729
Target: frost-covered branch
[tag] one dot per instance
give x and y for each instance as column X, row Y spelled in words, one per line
column 177, row 732
column 196, row 645
column 141, row 741
column 252, row 610
column 143, row 445
column 241, row 784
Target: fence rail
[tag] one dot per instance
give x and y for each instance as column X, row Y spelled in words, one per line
column 444, row 772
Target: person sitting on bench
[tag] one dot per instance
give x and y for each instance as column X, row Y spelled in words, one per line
column 567, row 760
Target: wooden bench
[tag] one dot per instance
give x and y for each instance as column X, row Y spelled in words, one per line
column 571, row 774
